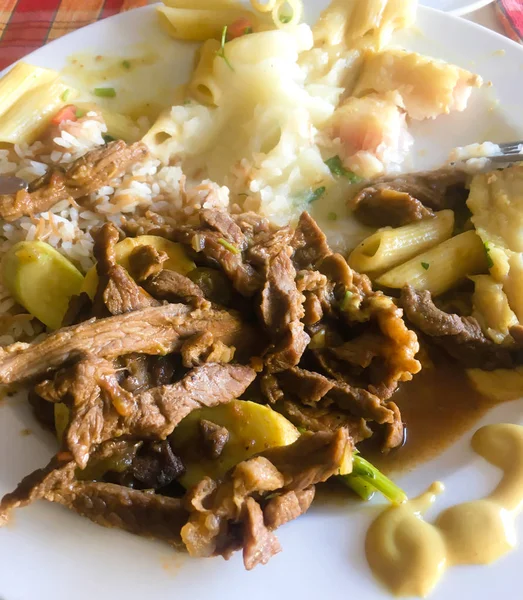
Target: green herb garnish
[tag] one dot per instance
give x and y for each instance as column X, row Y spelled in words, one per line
column 332, row 216
column 221, row 51
column 231, row 247
column 79, row 113
column 126, row 64
column 366, row 479
column 316, row 194
column 286, row 18
column 247, row 30
column 65, row 94
column 336, row 168
column 490, row 262
column 108, row 138
column 425, row 266
column 105, row 92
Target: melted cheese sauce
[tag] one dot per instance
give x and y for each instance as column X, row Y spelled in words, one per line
column 409, row 555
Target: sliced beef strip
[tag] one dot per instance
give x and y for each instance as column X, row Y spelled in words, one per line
column 309, row 243
column 156, row 465
column 202, row 348
column 227, row 516
column 324, row 419
column 161, row 370
column 310, row 387
column 146, row 262
column 87, row 174
column 79, row 309
column 156, row 331
column 252, row 224
column 401, row 200
column 214, row 438
column 313, row 309
column 281, row 312
column 268, row 244
column 461, row 337
column 223, row 223
column 287, row 507
column 270, row 388
column 136, row 375
column 101, row 410
column 117, row 292
column 395, row 431
column 173, row 287
column 243, row 276
column 337, row 270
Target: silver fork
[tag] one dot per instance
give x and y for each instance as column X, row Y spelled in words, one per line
column 510, row 152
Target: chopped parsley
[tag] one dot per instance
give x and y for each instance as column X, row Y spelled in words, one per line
column 126, row 64
column 490, row 262
column 247, row 30
column 105, row 92
column 425, row 266
column 65, row 95
column 108, row 138
column 315, row 194
column 332, row 216
column 336, row 168
column 228, row 246
column 285, row 18
column 221, row 51
column 79, row 113
column 347, row 301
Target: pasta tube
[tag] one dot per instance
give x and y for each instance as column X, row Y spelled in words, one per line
column 21, row 79
column 198, row 25
column 29, row 116
column 491, row 308
column 283, row 17
column 442, row 267
column 203, row 86
column 264, row 6
column 390, row 247
column 201, row 4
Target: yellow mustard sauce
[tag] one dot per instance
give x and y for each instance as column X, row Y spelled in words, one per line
column 409, row 555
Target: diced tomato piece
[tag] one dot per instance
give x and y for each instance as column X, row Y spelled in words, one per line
column 66, row 113
column 241, row 26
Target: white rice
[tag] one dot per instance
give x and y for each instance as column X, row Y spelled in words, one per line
column 68, row 227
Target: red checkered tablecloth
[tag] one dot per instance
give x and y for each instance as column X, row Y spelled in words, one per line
column 25, row 25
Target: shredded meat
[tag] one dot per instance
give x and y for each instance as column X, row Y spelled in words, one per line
column 409, row 198
column 214, row 438
column 202, row 348
column 224, row 224
column 287, row 507
column 156, row 466
column 157, row 331
column 461, row 337
column 88, row 174
column 145, row 262
column 228, row 516
column 102, row 410
column 173, row 287
column 309, row 243
column 117, row 291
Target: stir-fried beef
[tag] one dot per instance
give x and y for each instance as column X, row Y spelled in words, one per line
column 145, row 262
column 202, row 348
column 157, row 331
column 79, row 309
column 268, row 244
column 282, row 310
column 461, row 337
column 324, row 418
column 408, row 198
column 174, row 287
column 214, row 438
column 102, row 410
column 227, row 516
column 88, row 174
column 224, row 224
column 117, row 291
column 310, row 387
column 309, row 243
column 136, row 374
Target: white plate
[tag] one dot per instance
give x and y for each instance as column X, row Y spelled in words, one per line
column 48, row 553
column 457, row 7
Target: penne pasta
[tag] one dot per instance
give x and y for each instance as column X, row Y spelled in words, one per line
column 442, row 267
column 390, row 247
column 119, row 126
column 491, row 308
column 203, row 86
column 29, row 116
column 21, row 79
column 264, row 6
column 199, row 25
column 287, row 13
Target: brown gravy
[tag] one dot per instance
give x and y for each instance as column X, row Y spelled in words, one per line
column 438, row 406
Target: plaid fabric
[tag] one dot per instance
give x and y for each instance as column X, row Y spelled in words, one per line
column 510, row 13
column 25, row 25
